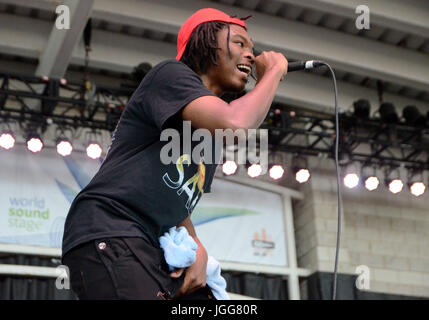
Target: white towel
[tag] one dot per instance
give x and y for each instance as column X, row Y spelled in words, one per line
column 180, row 252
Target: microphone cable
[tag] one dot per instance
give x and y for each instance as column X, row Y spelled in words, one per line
column 340, row 202
column 303, row 65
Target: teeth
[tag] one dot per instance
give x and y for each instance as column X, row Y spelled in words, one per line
column 244, row 68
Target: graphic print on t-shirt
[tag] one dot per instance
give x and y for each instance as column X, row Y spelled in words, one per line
column 196, row 180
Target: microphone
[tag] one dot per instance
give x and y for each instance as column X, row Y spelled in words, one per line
column 303, row 65
column 296, row 65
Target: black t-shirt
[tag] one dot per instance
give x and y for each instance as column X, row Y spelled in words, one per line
column 134, row 194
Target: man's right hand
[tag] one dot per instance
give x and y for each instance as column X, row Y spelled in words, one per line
column 270, row 60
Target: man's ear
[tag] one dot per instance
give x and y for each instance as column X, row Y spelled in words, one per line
column 227, row 41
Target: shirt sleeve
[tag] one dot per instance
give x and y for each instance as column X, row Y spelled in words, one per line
column 173, row 87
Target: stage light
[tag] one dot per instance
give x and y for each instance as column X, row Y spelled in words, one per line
column 372, row 183
column 362, row 108
column 229, row 167
column 94, row 150
column 351, row 180
column 64, row 147
column 299, row 168
column 302, row 175
column 7, row 140
column 369, row 176
column 395, row 185
column 276, row 171
column 34, row 143
column 413, row 116
column 388, row 113
column 417, row 188
column 254, row 170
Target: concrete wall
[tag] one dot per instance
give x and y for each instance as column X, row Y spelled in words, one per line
column 388, row 233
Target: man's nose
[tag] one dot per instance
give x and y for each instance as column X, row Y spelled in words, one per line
column 250, row 56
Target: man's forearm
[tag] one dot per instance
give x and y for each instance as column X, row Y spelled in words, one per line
column 251, row 109
column 187, row 223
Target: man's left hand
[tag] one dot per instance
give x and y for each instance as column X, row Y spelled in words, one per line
column 195, row 276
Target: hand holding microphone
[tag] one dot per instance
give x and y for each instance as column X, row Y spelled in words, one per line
column 268, row 61
column 264, row 59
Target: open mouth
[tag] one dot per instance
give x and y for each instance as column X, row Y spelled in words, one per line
column 244, row 68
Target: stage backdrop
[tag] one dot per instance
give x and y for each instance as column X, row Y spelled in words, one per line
column 240, row 223
column 36, row 191
column 235, row 222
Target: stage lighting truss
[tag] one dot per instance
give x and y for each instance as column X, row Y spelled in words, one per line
column 393, row 181
column 382, row 141
column 367, row 141
column 65, row 103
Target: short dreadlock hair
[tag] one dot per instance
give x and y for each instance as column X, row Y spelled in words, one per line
column 201, row 48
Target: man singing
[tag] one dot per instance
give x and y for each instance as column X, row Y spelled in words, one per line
column 111, row 236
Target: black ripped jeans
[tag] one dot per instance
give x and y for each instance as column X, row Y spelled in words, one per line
column 123, row 268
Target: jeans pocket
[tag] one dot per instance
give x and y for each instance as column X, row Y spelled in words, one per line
column 113, row 251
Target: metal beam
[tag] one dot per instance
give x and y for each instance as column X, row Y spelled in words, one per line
column 30, row 271
column 56, row 56
column 266, row 269
column 30, row 250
